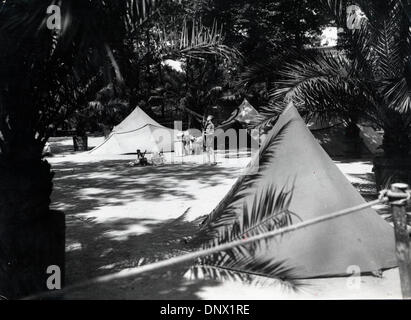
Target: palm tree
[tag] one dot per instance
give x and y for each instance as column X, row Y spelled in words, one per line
column 41, row 71
column 198, row 86
column 46, row 73
column 106, row 109
column 367, row 79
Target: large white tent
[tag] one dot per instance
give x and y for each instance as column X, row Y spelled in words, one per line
column 137, row 131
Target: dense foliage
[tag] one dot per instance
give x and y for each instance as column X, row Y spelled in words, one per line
column 367, row 79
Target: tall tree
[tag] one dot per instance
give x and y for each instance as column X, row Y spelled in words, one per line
column 55, row 56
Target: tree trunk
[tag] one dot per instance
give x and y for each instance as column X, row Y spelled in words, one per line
column 395, row 164
column 80, row 143
column 391, row 170
column 31, row 237
column 396, row 142
column 27, row 250
column 25, row 189
column 353, row 140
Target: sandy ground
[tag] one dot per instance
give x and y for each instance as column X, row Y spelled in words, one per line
column 120, row 216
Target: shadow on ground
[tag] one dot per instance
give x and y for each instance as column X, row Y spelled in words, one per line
column 366, row 185
column 92, row 247
column 81, row 187
column 95, row 254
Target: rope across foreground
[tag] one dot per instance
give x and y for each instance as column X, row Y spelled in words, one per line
column 131, row 272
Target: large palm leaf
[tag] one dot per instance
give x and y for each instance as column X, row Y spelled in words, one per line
column 320, row 84
column 380, row 50
column 369, row 79
column 224, row 214
column 268, row 211
column 195, row 40
column 234, row 219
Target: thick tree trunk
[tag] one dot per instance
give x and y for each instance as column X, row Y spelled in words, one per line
column 353, row 141
column 396, row 142
column 25, row 189
column 80, row 143
column 27, row 250
column 395, row 164
column 31, row 236
column 391, row 170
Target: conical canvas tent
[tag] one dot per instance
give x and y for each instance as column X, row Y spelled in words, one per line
column 292, row 157
column 228, row 135
column 137, row 131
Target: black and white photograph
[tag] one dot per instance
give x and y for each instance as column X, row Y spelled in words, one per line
column 205, row 150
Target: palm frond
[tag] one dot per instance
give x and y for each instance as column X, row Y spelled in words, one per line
column 315, row 67
column 397, row 94
column 377, row 11
column 139, row 10
column 261, row 72
column 328, row 87
column 195, row 40
column 284, row 276
column 338, row 10
column 314, row 73
column 367, row 80
column 261, row 217
column 387, row 46
column 224, row 214
column 269, row 211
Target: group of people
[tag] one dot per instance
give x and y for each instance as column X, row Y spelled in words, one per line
column 189, row 145
column 157, row 159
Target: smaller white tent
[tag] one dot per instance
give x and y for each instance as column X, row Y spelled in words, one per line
column 244, row 115
column 137, row 131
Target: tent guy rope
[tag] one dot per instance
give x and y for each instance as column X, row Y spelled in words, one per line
column 131, row 272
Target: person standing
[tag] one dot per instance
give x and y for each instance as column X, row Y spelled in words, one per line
column 208, row 134
column 188, row 143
